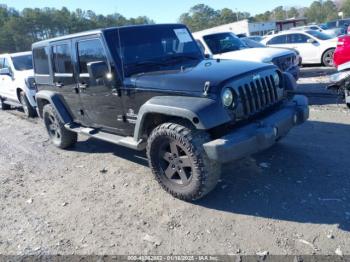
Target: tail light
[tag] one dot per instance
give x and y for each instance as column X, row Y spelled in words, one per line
column 344, row 40
column 340, row 41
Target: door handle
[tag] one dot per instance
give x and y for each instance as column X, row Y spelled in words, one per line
column 59, row 84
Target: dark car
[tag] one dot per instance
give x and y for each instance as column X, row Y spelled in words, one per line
column 150, row 87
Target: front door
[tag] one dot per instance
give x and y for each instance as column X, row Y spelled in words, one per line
column 100, row 97
column 64, row 77
column 308, row 50
column 8, row 88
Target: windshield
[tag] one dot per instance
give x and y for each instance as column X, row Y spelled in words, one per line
column 319, row 35
column 154, row 48
column 223, row 43
column 22, row 62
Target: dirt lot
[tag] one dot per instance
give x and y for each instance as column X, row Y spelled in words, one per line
column 102, row 199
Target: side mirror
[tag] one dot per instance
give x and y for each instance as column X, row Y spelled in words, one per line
column 312, row 41
column 98, row 69
column 207, row 56
column 5, row 71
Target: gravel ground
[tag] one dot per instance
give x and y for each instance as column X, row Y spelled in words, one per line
column 99, row 198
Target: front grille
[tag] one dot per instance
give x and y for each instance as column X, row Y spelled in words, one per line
column 284, row 62
column 258, row 94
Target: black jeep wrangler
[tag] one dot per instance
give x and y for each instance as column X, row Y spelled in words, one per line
column 150, row 87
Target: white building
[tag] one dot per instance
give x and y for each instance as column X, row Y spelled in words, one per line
column 244, row 27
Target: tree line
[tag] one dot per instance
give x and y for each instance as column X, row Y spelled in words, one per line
column 201, row 16
column 19, row 29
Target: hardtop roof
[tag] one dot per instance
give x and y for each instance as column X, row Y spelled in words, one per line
column 94, row 32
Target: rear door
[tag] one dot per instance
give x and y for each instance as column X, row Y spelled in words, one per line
column 64, row 77
column 278, row 41
column 100, row 98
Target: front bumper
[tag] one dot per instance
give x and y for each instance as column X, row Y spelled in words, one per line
column 260, row 135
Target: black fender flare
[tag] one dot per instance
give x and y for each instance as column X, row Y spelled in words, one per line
column 204, row 113
column 45, row 96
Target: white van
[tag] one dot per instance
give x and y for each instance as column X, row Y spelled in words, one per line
column 17, row 85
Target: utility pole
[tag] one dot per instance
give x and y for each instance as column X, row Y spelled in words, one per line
column 237, row 14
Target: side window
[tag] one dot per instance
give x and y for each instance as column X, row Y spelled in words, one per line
column 41, row 60
column 90, row 51
column 62, row 61
column 297, row 38
column 2, row 63
column 278, row 40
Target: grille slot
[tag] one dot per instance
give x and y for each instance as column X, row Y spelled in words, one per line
column 257, row 95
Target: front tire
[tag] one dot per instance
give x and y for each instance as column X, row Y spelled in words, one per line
column 177, row 159
column 27, row 107
column 327, row 58
column 59, row 135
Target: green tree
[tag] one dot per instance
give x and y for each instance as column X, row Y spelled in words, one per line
column 293, row 12
column 279, row 13
column 200, row 17
column 18, row 30
column 321, row 11
column 345, row 8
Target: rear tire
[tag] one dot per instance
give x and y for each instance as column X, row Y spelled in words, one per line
column 177, row 159
column 4, row 106
column 27, row 107
column 348, row 105
column 327, row 58
column 59, row 135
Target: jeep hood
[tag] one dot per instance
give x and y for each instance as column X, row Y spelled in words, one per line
column 192, row 79
column 255, row 54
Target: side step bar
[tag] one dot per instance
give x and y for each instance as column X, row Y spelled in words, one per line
column 111, row 138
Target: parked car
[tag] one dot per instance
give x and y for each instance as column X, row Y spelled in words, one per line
column 17, row 86
column 150, row 87
column 336, row 27
column 254, row 38
column 249, row 42
column 226, row 45
column 253, row 44
column 307, row 27
column 314, row 47
column 342, row 52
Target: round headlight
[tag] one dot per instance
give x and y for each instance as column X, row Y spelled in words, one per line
column 227, row 97
column 277, row 79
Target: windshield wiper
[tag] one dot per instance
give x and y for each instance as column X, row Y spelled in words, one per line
column 146, row 63
column 176, row 58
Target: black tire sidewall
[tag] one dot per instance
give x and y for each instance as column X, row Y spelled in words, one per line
column 67, row 138
column 205, row 173
column 49, row 110
column 195, row 182
column 28, row 109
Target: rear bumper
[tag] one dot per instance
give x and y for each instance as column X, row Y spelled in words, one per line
column 260, row 135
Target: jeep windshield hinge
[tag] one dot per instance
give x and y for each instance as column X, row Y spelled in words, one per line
column 206, row 88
